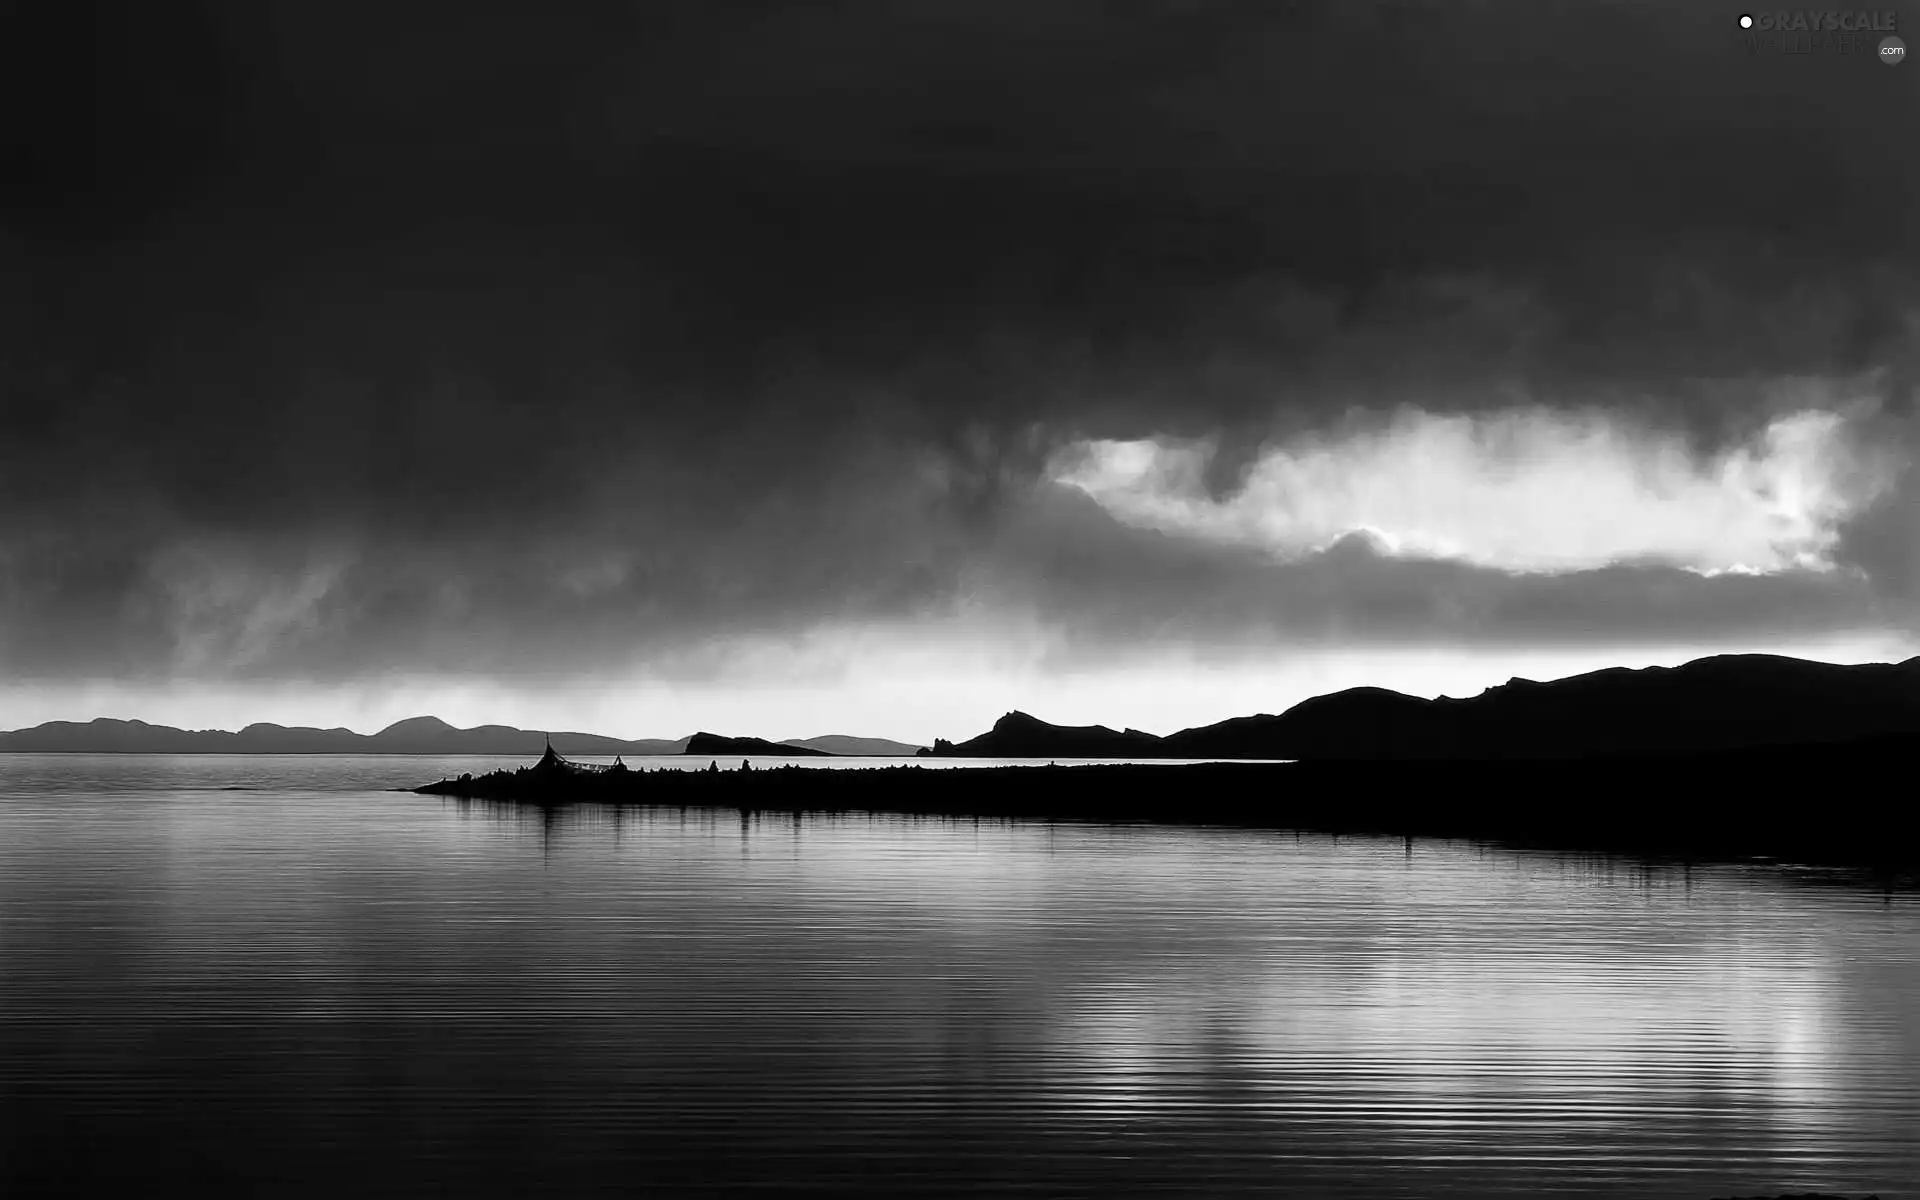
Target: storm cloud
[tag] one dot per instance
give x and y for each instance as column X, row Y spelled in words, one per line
column 352, row 343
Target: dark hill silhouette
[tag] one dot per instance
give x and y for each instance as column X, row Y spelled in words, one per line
column 1710, row 705
column 713, row 743
column 1018, row 735
column 1726, row 703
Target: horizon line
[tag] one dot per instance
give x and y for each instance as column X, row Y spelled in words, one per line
column 928, row 742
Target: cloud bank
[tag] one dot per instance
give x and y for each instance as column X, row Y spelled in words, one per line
column 1535, row 490
column 533, row 351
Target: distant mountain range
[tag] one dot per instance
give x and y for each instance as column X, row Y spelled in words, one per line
column 1709, row 706
column 1713, row 705
column 840, row 743
column 417, row 735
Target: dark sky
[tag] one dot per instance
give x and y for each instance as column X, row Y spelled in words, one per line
column 380, row 348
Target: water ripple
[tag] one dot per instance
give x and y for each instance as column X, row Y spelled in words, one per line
column 310, row 986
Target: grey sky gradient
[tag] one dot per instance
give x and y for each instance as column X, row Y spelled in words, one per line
column 342, row 343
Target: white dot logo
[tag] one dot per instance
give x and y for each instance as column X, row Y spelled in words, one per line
column 1746, row 22
column 1893, row 51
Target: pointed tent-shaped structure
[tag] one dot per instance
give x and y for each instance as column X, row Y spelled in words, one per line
column 551, row 760
column 553, row 763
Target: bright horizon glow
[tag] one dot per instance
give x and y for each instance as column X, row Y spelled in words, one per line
column 910, row 695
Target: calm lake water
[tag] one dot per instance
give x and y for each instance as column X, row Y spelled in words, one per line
column 266, row 976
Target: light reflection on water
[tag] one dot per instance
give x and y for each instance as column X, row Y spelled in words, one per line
column 311, row 987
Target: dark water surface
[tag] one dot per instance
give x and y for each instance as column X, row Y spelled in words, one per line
column 313, row 987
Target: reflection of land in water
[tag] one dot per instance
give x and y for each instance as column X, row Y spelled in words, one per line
column 1794, row 809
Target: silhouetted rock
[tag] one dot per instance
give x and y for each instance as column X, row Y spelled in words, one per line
column 713, row 743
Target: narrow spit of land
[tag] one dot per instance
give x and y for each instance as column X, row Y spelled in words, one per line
column 1805, row 810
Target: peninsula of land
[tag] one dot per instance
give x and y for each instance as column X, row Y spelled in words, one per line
column 1746, row 755
column 1840, row 803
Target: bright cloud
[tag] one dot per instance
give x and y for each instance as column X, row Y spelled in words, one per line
column 1533, row 490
